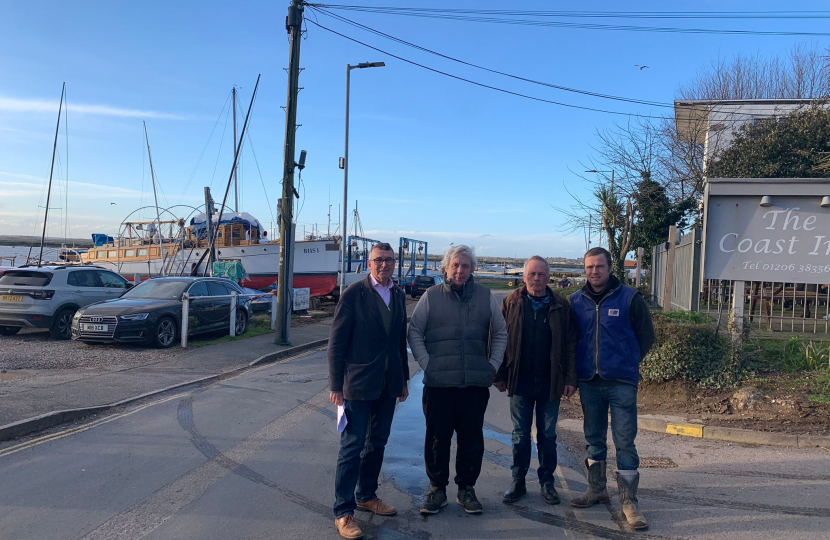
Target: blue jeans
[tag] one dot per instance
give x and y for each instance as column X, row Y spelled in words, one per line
column 547, row 413
column 596, row 398
column 362, row 444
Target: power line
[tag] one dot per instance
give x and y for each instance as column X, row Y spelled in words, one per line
column 473, row 16
column 517, row 77
column 526, row 96
column 476, row 83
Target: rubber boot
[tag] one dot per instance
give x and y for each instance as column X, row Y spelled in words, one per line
column 597, row 492
column 627, row 487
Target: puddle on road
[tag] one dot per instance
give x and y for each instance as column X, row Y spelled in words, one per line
column 403, row 462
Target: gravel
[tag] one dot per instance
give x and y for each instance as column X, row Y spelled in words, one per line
column 35, row 349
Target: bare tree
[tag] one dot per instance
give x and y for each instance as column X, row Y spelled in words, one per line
column 802, row 73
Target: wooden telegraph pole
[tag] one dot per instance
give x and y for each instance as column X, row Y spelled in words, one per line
column 293, row 24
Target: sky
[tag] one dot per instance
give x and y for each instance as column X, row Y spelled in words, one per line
column 431, row 157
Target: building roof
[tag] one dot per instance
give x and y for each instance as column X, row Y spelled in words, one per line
column 691, row 116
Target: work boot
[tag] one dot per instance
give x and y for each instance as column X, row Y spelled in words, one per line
column 515, row 492
column 377, row 506
column 549, row 493
column 347, row 527
column 627, row 488
column 467, row 498
column 597, row 492
column 435, row 500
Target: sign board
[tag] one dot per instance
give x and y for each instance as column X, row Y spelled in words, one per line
column 787, row 242
column 302, row 298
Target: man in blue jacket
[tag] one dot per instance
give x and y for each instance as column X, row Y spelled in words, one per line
column 615, row 334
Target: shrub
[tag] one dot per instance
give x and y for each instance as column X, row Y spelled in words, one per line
column 688, row 350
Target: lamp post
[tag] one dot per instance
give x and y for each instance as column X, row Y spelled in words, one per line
column 344, row 164
column 602, row 220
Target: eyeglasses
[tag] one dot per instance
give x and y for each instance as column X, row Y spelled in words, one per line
column 389, row 261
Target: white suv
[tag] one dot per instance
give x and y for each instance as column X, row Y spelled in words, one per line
column 48, row 296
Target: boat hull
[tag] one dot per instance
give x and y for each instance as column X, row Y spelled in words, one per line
column 316, row 264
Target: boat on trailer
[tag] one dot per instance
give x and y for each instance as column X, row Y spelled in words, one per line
column 172, row 248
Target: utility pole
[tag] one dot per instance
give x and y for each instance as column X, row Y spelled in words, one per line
column 236, row 162
column 293, row 24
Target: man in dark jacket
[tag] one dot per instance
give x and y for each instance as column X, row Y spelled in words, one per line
column 539, row 368
column 615, row 334
column 368, row 371
column 449, row 334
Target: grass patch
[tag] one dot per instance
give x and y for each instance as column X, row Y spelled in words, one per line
column 259, row 325
column 496, row 285
column 688, row 316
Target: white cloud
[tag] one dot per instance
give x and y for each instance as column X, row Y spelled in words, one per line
column 46, row 106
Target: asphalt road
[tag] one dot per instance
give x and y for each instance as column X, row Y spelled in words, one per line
column 253, row 457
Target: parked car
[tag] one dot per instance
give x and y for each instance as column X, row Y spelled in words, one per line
column 421, row 283
column 48, row 296
column 151, row 312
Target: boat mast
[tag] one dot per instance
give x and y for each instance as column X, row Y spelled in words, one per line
column 156, row 197
column 235, row 164
column 51, row 171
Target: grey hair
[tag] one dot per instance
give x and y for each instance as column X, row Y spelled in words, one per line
column 535, row 258
column 455, row 251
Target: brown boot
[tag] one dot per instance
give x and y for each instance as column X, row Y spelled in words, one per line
column 377, row 506
column 627, row 487
column 597, row 492
column 347, row 527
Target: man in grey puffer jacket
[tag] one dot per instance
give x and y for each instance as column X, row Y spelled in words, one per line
column 451, row 330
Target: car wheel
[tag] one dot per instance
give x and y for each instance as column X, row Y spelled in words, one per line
column 9, row 330
column 241, row 322
column 62, row 326
column 164, row 333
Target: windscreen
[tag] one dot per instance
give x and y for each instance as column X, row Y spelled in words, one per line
column 25, row 278
column 159, row 289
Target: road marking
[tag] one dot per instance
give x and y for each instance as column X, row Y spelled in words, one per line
column 150, row 513
column 689, row 430
column 73, row 431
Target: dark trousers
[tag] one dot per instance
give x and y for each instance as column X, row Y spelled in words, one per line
column 547, row 413
column 459, row 410
column 362, row 444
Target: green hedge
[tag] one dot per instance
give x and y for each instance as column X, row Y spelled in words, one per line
column 687, row 350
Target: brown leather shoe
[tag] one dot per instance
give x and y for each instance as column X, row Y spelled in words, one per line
column 377, row 506
column 347, row 527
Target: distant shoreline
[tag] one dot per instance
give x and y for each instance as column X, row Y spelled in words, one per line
column 17, row 241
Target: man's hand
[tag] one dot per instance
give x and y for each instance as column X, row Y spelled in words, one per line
column 500, row 386
column 405, row 393
column 569, row 391
column 336, row 398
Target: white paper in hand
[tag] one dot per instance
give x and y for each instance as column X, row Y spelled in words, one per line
column 341, row 418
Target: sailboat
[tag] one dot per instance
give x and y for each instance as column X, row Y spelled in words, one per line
column 188, row 246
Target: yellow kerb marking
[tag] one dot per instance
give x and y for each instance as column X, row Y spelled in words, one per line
column 689, row 430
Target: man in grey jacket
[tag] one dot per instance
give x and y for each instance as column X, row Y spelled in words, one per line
column 451, row 330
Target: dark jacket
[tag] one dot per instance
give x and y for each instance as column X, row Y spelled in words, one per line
column 615, row 332
column 359, row 345
column 563, row 343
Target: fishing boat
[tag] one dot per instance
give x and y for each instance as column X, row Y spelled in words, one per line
column 177, row 247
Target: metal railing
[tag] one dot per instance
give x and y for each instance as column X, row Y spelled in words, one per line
column 684, row 274
column 186, row 300
column 774, row 306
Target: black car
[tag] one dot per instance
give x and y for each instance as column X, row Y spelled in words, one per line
column 152, row 312
column 421, row 283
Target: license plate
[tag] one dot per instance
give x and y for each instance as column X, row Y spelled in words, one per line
column 10, row 298
column 94, row 328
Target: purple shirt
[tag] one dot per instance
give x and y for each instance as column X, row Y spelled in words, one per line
column 385, row 292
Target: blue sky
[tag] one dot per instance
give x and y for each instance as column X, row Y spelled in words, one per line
column 430, row 157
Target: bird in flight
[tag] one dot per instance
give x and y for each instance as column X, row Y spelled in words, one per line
column 641, row 67
column 112, row 203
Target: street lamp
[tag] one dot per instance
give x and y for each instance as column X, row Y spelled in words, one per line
column 344, row 164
